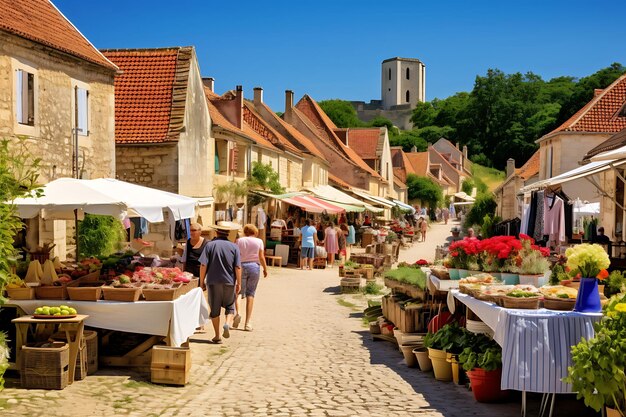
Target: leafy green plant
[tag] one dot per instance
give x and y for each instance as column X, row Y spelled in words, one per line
column 489, row 359
column 18, row 178
column 351, row 264
column 262, row 177
column 391, row 237
column 450, row 338
column 372, row 288
column 99, row 235
column 412, row 276
column 598, row 364
column 558, row 273
column 615, row 283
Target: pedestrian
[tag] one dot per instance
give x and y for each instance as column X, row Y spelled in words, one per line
column 367, row 221
column 470, row 232
column 220, row 274
column 342, row 234
column 252, row 260
column 331, row 243
column 321, row 236
column 446, row 215
column 193, row 250
column 424, row 228
column 308, row 237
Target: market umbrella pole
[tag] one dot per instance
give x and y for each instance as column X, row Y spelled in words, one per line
column 76, row 231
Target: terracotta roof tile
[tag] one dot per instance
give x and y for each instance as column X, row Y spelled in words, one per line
column 264, row 129
column 338, row 181
column 419, row 162
column 40, row 21
column 150, row 94
column 530, row 168
column 399, row 182
column 601, row 114
column 364, row 142
column 616, row 141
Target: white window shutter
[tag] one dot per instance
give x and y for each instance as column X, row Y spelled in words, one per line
column 82, row 104
column 19, row 88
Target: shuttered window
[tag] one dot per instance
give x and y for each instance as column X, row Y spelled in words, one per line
column 82, row 103
column 25, row 90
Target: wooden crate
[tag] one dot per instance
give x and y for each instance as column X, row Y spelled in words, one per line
column 45, row 367
column 121, row 294
column 89, row 291
column 319, row 263
column 170, row 365
column 163, row 295
column 24, row 293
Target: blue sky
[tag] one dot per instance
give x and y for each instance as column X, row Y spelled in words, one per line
column 333, row 49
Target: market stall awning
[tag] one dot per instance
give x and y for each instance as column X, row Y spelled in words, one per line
column 404, row 206
column 277, row 196
column 333, row 195
column 463, row 196
column 618, row 153
column 104, row 196
column 312, row 204
column 587, row 170
column 373, row 199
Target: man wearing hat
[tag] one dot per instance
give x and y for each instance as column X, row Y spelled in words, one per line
column 220, row 271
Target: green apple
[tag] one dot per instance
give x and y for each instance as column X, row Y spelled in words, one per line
column 72, row 311
column 46, row 311
column 38, row 310
column 55, row 310
column 65, row 312
column 56, row 314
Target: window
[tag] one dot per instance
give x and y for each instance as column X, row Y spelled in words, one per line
column 389, row 73
column 408, row 76
column 82, row 100
column 25, row 82
column 408, row 96
column 549, row 165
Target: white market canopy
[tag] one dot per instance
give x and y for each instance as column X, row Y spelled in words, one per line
column 404, row 206
column 335, row 196
column 618, row 153
column 463, row 196
column 379, row 201
column 104, row 196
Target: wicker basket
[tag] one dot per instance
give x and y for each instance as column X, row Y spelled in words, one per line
column 164, row 294
column 440, row 273
column 90, row 337
column 188, row 286
column 45, row 367
column 564, row 304
column 530, row 303
column 121, row 294
column 24, row 293
column 87, row 293
column 54, row 292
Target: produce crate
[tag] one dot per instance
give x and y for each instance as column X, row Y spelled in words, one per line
column 170, row 365
column 91, row 277
column 54, row 292
column 45, row 367
column 319, row 263
column 91, row 291
column 350, row 284
column 121, row 294
column 24, row 293
column 188, row 286
column 163, row 294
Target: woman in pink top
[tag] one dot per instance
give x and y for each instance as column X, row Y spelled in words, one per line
column 331, row 243
column 252, row 259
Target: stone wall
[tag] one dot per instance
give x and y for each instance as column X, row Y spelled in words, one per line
column 400, row 118
column 152, row 165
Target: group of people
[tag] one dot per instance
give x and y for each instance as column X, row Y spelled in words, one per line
column 334, row 239
column 226, row 270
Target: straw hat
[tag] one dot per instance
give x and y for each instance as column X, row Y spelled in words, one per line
column 226, row 226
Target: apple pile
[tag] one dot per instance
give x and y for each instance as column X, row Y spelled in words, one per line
column 55, row 311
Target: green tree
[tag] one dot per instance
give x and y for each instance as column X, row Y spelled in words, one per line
column 263, row 177
column 407, row 139
column 380, row 121
column 18, row 179
column 424, row 115
column 485, row 205
column 424, row 189
column 341, row 113
column 99, row 235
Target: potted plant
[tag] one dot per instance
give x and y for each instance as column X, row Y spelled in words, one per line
column 466, row 253
column 614, row 284
column 483, row 364
column 588, row 262
column 597, row 371
column 531, row 262
column 446, row 341
column 495, row 253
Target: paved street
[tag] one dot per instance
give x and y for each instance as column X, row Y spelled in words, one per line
column 307, row 356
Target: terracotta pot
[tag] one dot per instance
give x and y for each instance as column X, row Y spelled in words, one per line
column 611, row 412
column 441, row 367
column 486, row 385
column 409, row 357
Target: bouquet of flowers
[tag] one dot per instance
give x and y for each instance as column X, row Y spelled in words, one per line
column 464, row 253
column 587, row 261
column 530, row 259
column 496, row 250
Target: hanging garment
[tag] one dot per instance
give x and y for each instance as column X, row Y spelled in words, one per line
column 525, row 218
column 554, row 218
column 181, row 230
column 261, row 218
column 538, row 231
column 141, row 227
column 532, row 214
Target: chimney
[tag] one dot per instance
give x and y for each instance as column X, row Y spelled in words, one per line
column 414, row 149
column 288, row 102
column 510, row 167
column 457, row 145
column 258, row 96
column 209, row 82
column 239, row 104
column 465, row 151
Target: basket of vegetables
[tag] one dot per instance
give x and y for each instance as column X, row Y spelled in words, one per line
column 521, row 299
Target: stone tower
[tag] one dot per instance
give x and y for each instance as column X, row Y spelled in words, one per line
column 403, row 83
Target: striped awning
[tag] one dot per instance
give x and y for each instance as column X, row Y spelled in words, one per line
column 313, row 205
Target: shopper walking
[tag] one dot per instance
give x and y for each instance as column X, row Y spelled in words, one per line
column 220, row 273
column 252, row 260
column 308, row 239
column 193, row 250
column 331, row 243
column 423, row 228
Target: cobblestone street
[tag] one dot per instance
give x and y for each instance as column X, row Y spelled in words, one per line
column 309, row 355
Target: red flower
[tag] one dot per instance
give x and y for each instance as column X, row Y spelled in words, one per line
column 602, row 275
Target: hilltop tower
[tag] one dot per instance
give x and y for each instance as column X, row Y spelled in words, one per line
column 403, row 83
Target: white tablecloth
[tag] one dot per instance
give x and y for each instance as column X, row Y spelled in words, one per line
column 443, row 285
column 179, row 318
column 535, row 343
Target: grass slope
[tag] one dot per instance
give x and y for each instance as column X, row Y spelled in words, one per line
column 490, row 176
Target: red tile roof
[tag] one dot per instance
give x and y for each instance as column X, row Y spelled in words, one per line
column 326, row 128
column 264, row 129
column 364, row 142
column 530, row 168
column 40, row 21
column 399, row 182
column 150, row 95
column 338, row 181
column 601, row 114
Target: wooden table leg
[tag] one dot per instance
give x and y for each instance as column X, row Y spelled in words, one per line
column 21, row 336
column 74, row 345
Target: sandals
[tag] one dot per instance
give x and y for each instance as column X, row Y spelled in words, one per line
column 217, row 340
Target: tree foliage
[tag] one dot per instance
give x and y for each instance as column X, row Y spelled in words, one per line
column 485, row 205
column 341, row 113
column 99, row 235
column 424, row 189
column 263, row 177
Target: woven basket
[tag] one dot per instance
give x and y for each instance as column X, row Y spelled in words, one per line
column 121, row 294
column 188, row 286
column 530, row 303
column 91, row 277
column 564, row 304
column 164, row 294
column 46, row 368
column 87, row 293
column 90, row 338
column 442, row 274
column 25, row 293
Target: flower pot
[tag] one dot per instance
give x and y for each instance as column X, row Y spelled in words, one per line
column 611, row 412
column 454, row 273
column 441, row 367
column 588, row 299
column 486, row 385
column 496, row 275
column 421, row 354
column 538, row 280
column 409, row 357
column 509, row 278
column 463, row 273
column 458, row 375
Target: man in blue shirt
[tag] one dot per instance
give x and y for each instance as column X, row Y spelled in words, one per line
column 220, row 272
column 309, row 240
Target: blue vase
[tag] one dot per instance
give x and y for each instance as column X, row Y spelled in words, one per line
column 588, row 299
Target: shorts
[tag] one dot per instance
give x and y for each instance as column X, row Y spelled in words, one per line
column 221, row 295
column 308, row 253
column 250, row 275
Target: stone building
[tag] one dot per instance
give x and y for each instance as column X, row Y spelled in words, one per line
column 56, row 90
column 163, row 128
column 506, row 194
